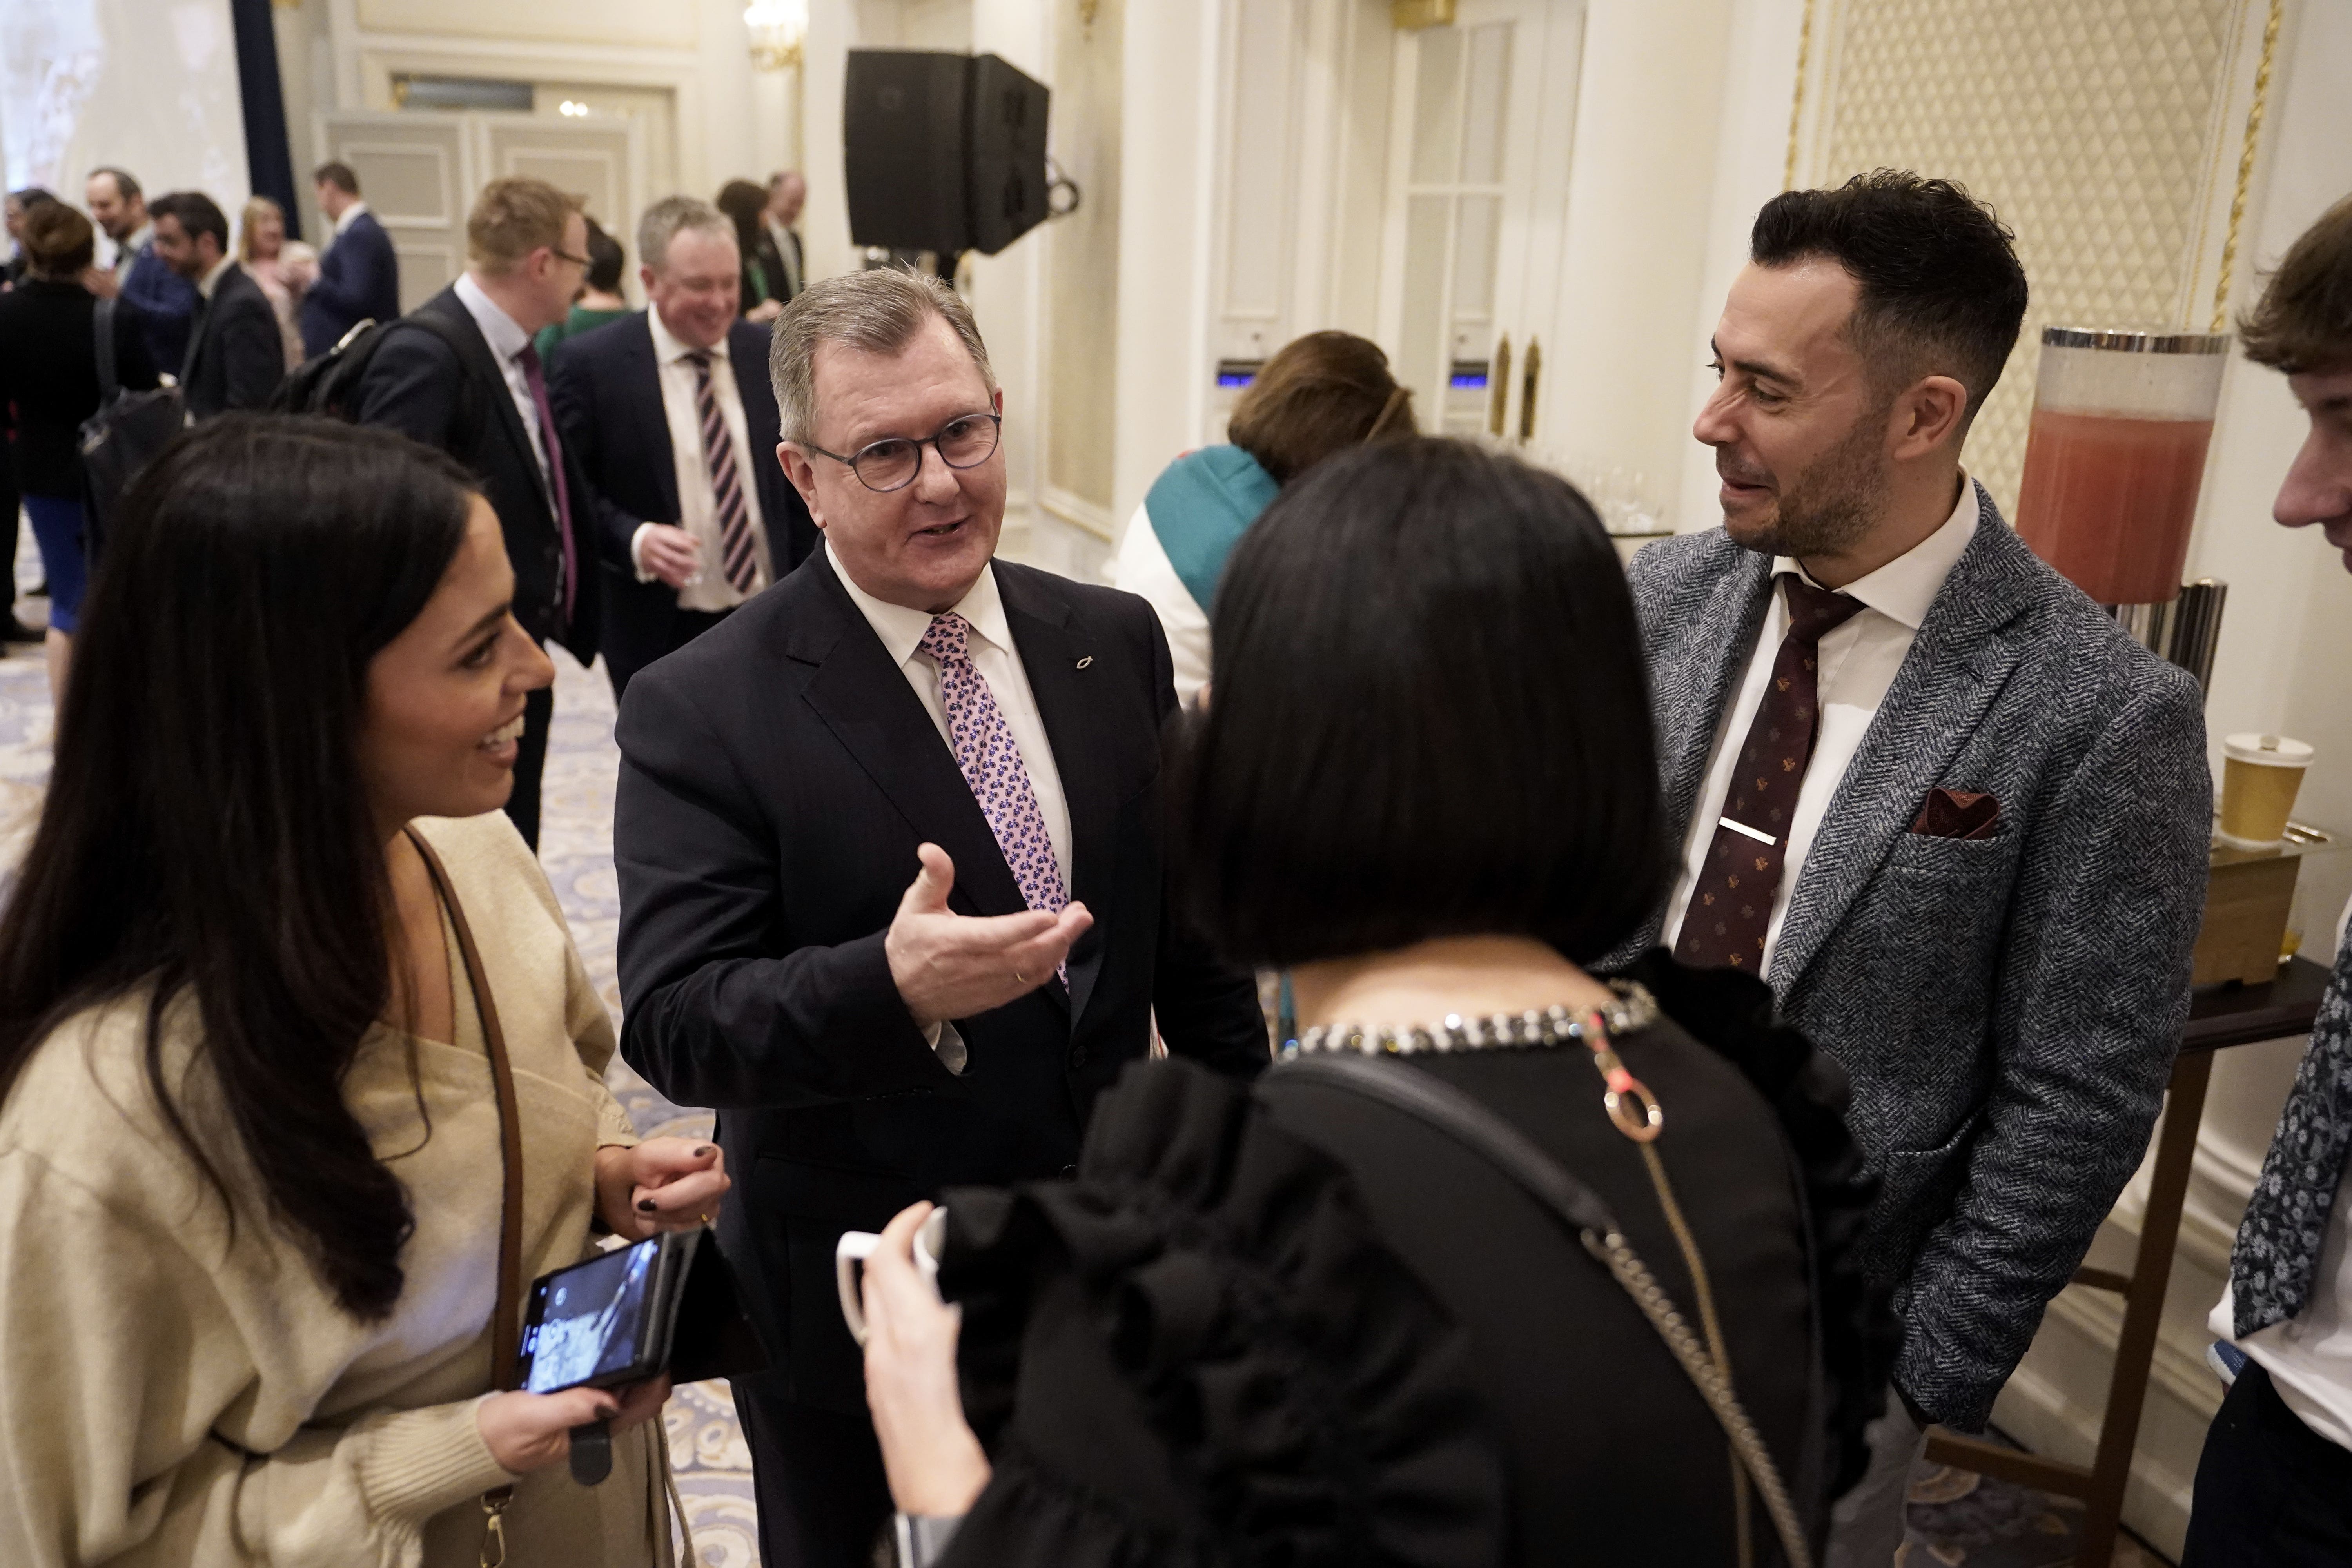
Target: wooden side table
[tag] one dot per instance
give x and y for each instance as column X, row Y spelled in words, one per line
column 2219, row 1016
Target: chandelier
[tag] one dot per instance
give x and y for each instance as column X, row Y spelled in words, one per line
column 777, row 28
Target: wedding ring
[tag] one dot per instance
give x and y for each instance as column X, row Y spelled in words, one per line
column 1021, row 977
column 706, row 1219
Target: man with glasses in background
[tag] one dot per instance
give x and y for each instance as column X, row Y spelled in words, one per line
column 891, row 877
column 459, row 372
column 671, row 415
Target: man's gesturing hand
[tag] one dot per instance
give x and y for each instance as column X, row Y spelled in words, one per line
column 947, row 965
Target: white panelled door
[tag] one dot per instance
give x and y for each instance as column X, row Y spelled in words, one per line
column 1482, row 123
column 419, row 171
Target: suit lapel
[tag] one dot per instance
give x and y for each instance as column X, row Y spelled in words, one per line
column 649, row 413
column 1972, row 638
column 1051, row 643
column 484, row 366
column 1693, row 691
column 864, row 700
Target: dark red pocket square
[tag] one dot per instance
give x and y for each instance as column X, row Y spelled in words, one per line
column 1956, row 814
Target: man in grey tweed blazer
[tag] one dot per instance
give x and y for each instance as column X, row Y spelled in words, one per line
column 2275, row 1486
column 1922, row 784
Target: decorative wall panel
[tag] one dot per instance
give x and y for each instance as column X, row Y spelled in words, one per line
column 2104, row 132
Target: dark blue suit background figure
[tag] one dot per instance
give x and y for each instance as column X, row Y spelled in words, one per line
column 166, row 304
column 605, row 385
column 359, row 281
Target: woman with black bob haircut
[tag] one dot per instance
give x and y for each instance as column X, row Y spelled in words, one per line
column 271, row 936
column 1500, row 1262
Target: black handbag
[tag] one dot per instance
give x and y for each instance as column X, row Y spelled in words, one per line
column 123, row 436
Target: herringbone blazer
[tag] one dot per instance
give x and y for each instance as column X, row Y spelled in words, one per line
column 2008, row 1008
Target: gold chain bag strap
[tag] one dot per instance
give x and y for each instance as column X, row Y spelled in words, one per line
column 505, row 1321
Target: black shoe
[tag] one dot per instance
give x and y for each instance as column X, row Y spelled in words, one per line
column 18, row 631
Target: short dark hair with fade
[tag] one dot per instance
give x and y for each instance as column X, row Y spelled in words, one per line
column 339, row 175
column 1430, row 719
column 1942, row 292
column 605, row 260
column 194, row 211
column 2303, row 320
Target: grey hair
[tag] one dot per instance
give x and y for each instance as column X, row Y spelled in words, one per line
column 876, row 313
column 663, row 221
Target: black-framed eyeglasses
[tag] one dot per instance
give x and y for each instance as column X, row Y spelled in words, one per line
column 563, row 254
column 964, row 442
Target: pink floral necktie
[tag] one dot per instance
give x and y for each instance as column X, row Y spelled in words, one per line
column 991, row 765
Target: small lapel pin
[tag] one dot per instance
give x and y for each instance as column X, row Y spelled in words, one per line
column 1086, row 661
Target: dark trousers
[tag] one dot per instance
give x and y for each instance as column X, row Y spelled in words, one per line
column 823, row 1500
column 2271, row 1492
column 531, row 762
column 624, row 654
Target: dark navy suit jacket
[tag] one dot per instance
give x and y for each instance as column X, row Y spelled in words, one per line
column 777, row 774
column 359, row 281
column 166, row 304
column 606, row 389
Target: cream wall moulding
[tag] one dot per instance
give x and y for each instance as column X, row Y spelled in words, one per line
column 776, row 29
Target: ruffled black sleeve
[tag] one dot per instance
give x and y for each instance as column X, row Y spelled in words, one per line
column 1198, row 1352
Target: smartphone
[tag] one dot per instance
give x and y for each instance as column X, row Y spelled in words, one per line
column 605, row 1322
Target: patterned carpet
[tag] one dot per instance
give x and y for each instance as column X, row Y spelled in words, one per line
column 1958, row 1519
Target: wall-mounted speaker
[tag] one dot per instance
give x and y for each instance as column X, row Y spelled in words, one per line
column 943, row 153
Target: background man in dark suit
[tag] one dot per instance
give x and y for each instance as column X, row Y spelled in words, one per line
column 459, row 372
column 1922, row 784
column 2274, row 1487
column 235, row 356
column 900, row 706
column 780, row 242
column 672, row 417
column 166, row 302
column 359, row 275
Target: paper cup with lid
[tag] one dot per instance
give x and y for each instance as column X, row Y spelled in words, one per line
column 2259, row 777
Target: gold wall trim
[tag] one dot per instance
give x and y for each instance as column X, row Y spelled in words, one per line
column 2245, row 162
column 1797, row 100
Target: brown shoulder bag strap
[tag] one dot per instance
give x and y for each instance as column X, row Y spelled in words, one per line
column 505, row 1326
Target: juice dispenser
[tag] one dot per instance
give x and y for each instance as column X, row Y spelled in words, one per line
column 2115, row 456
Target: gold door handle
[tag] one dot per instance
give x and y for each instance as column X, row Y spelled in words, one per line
column 1498, row 382
column 1528, row 394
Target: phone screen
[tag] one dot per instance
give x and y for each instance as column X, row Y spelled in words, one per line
column 589, row 1321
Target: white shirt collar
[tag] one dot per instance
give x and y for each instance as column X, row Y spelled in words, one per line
column 1905, row 587
column 670, row 348
column 502, row 331
column 211, row 281
column 901, row 629
column 351, row 216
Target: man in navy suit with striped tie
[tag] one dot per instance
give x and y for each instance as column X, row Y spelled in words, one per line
column 671, row 414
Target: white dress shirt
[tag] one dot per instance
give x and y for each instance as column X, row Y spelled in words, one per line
column 506, row 339
column 128, row 250
column 351, row 216
column 1858, row 662
column 697, row 500
column 788, row 248
column 999, row 663
column 211, row 281
column 2309, row 1356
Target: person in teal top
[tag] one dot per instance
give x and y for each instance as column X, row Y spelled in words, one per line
column 1318, row 395
column 600, row 298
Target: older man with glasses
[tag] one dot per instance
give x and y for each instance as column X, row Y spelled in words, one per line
column 892, row 897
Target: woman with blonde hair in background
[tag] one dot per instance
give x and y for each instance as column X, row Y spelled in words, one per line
column 284, row 268
column 287, row 1012
column 1318, row 395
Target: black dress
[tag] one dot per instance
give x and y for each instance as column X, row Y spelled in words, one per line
column 1296, row 1326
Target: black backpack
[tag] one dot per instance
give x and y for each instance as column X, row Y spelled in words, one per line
column 328, row 383
column 125, row 433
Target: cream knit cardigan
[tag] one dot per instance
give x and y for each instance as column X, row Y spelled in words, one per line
column 171, row 1393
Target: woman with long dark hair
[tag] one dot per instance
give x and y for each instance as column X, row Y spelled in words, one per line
column 1502, row 1262
column 251, row 1174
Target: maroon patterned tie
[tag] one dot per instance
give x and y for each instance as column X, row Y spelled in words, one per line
column 1731, row 907
column 737, row 553
column 537, row 376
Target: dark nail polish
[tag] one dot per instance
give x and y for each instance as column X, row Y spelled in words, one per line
column 703, row 1152
column 645, row 1205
